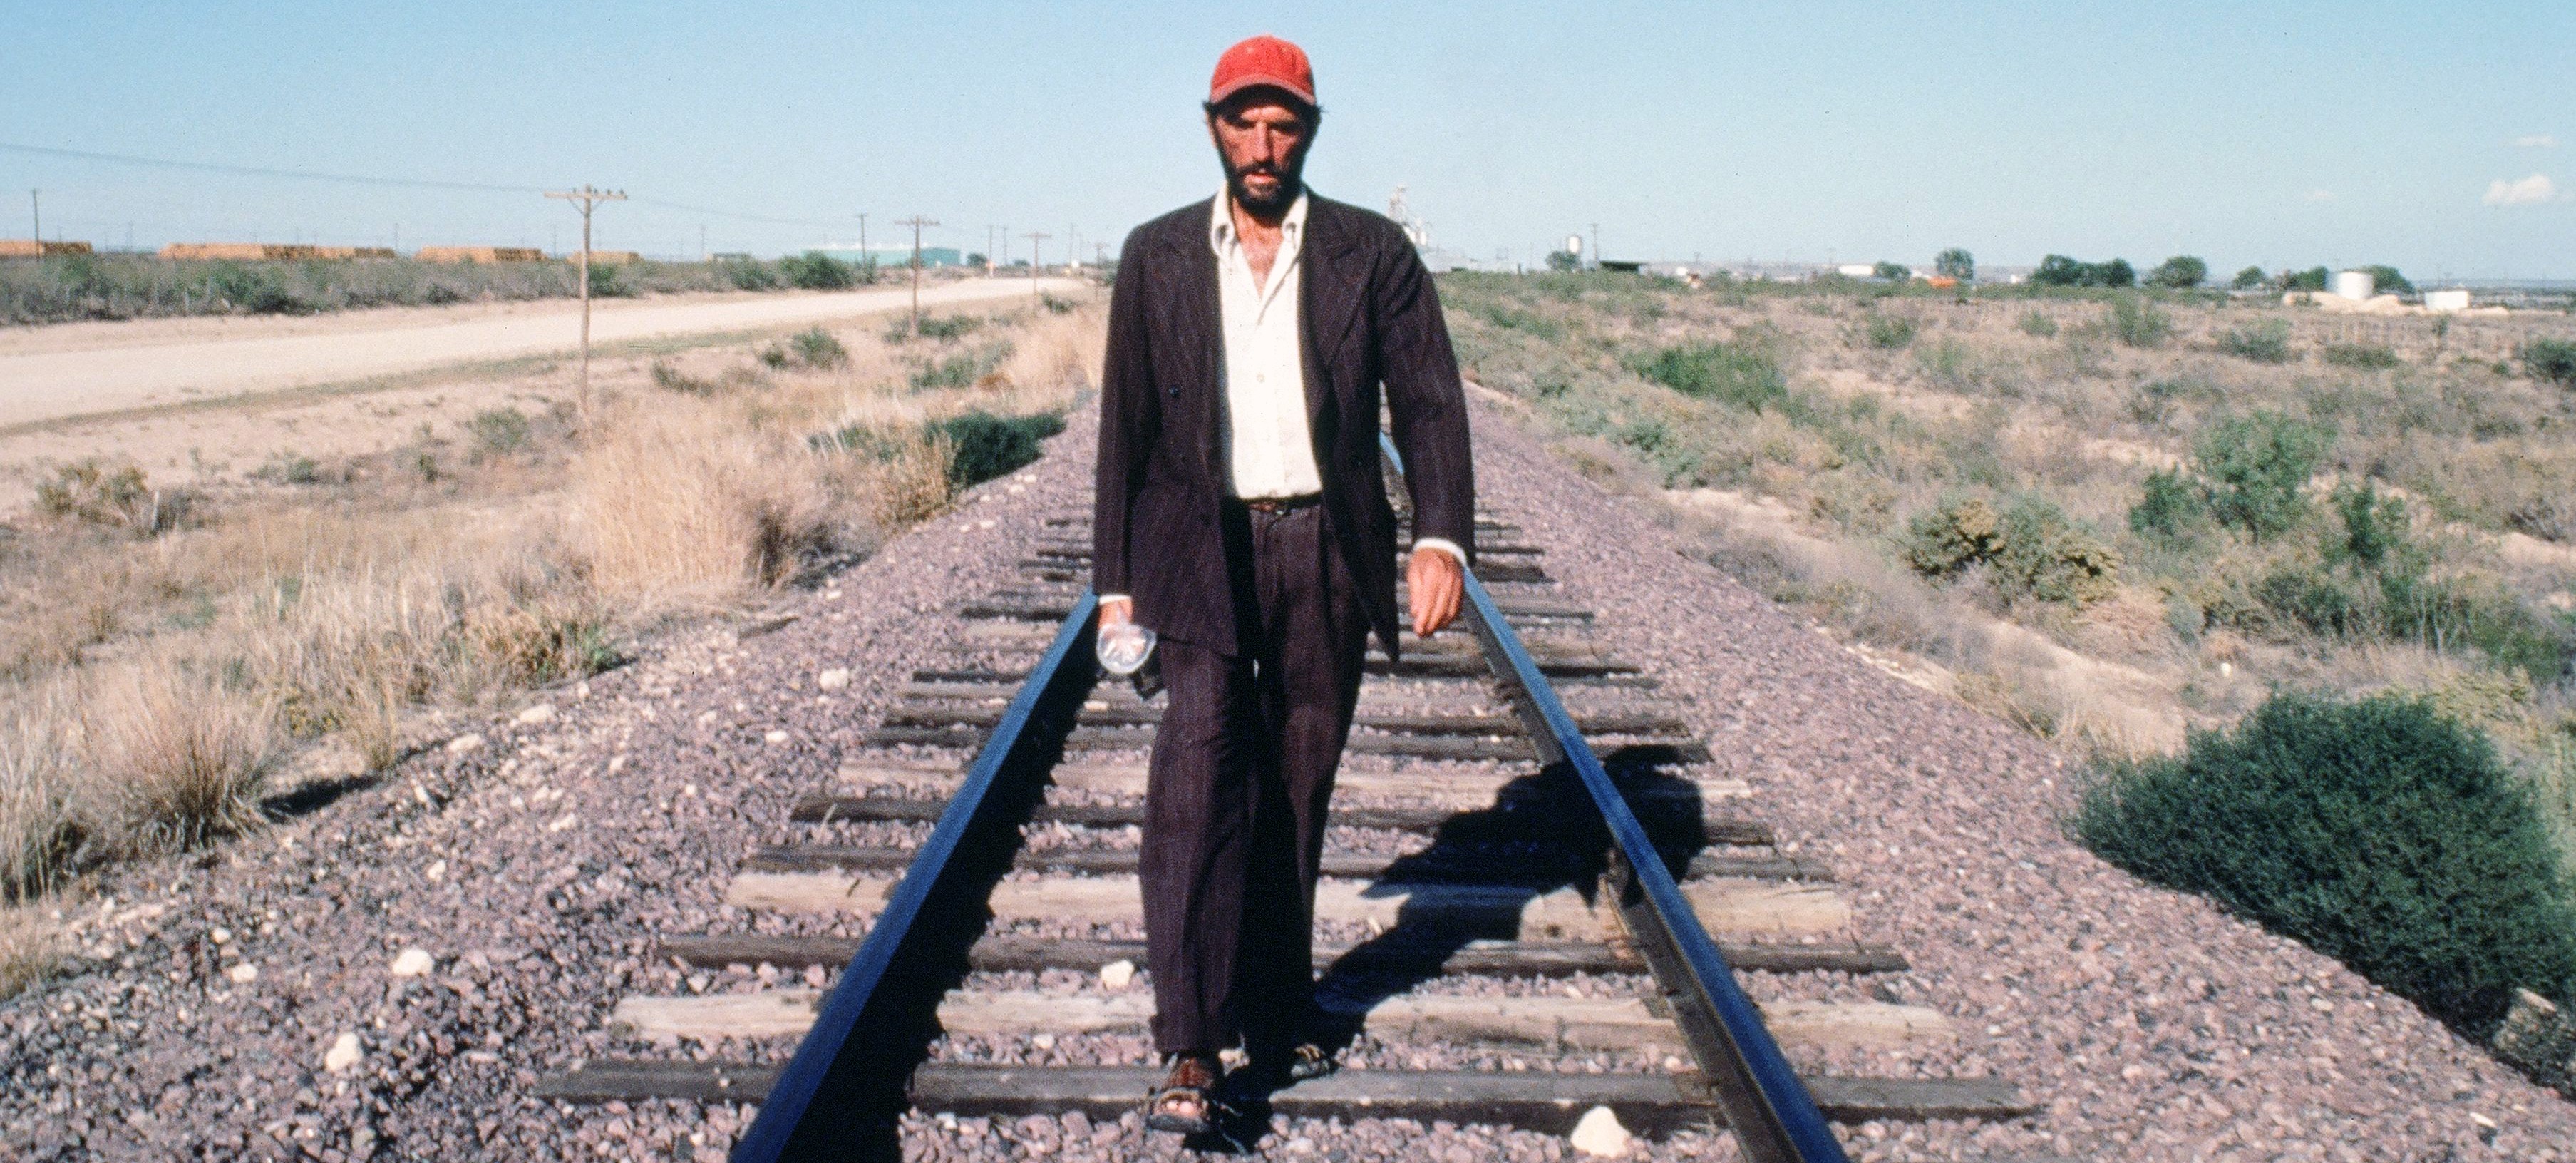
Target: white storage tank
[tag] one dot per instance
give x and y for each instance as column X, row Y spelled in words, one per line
column 2452, row 300
column 2354, row 285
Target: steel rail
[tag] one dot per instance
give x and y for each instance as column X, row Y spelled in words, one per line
column 1767, row 1106
column 809, row 1112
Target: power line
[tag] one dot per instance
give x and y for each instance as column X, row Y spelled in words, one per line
column 265, row 172
column 375, row 180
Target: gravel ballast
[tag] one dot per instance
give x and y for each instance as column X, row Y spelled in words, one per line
column 245, row 1003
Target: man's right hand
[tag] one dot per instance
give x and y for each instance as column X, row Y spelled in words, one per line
column 1117, row 612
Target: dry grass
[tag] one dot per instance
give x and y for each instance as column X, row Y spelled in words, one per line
column 178, row 758
column 152, row 684
column 2003, row 398
column 30, row 948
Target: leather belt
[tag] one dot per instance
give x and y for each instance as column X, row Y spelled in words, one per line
column 1282, row 504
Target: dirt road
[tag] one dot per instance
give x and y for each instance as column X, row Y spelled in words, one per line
column 91, row 369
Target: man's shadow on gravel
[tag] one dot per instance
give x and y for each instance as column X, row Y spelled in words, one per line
column 1542, row 834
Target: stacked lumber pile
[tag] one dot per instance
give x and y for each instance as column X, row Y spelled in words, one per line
column 239, row 251
column 607, row 258
column 354, row 252
column 480, row 254
column 32, row 248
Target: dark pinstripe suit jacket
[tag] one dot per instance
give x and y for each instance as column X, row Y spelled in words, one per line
column 1371, row 317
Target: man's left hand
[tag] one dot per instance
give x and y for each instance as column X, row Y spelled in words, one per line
column 1437, row 584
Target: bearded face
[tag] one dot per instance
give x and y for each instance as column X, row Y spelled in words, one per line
column 1262, row 140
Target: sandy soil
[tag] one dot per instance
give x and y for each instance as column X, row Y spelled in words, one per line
column 55, row 373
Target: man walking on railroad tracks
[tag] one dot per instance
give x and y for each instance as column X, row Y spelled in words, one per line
column 1242, row 516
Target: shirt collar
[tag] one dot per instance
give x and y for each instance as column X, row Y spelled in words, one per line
column 1221, row 224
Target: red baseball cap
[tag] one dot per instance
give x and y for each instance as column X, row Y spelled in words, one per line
column 1263, row 60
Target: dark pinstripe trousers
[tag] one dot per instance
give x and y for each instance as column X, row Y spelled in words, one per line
column 1236, row 793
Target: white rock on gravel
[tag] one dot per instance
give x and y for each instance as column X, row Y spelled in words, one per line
column 535, row 714
column 412, row 962
column 1599, row 1133
column 243, row 973
column 464, row 743
column 342, row 1055
column 1117, row 974
column 436, row 872
column 775, row 737
column 834, row 679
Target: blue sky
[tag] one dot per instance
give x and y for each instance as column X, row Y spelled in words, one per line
column 2283, row 134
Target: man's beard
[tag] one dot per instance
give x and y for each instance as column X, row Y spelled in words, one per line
column 1291, row 183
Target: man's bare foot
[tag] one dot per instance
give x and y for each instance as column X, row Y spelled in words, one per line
column 1185, row 1103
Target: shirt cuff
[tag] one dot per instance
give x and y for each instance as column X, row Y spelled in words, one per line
column 1444, row 545
column 1105, row 599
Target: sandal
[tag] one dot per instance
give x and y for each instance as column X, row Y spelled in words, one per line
column 1310, row 1061
column 1186, row 1102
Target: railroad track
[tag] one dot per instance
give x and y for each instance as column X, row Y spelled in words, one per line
column 1528, row 870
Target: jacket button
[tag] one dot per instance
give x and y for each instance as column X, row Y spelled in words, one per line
column 1176, row 393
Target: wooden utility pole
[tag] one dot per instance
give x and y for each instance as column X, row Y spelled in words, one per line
column 1034, row 239
column 588, row 199
column 916, row 222
column 36, row 207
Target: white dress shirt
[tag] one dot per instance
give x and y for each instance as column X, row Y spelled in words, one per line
column 1269, row 449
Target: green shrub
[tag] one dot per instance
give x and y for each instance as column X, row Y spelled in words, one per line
column 2137, row 323
column 2266, row 342
column 2049, row 557
column 1889, row 332
column 2374, row 527
column 749, row 274
column 1959, row 534
column 95, row 494
column 2252, row 469
column 2377, row 832
column 2312, row 600
column 2032, row 549
column 774, row 357
column 2181, row 272
column 290, row 468
column 2385, row 280
column 2170, row 507
column 817, row 271
column 2365, row 356
column 1955, row 263
column 2311, row 279
column 2553, row 360
column 952, row 327
column 605, row 282
column 984, row 446
column 2248, row 279
column 259, row 290
column 961, row 369
column 815, row 348
column 499, row 430
column 1056, row 306
column 1894, row 272
column 2037, row 323
column 1744, row 373
column 2057, row 270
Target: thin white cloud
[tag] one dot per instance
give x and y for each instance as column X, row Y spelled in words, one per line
column 2536, row 141
column 2525, row 192
column 2321, row 195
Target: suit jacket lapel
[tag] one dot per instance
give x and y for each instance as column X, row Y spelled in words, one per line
column 1197, row 325
column 1331, row 291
